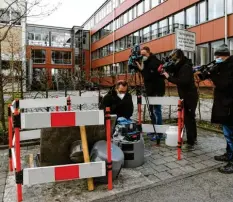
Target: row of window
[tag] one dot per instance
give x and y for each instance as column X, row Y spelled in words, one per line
column 102, row 13
column 58, row 57
column 187, row 18
column 204, row 54
column 127, row 17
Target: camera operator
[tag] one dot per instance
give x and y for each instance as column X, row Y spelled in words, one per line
column 153, row 81
column 184, row 79
column 222, row 111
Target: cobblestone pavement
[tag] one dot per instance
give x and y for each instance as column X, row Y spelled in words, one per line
column 160, row 166
column 3, row 171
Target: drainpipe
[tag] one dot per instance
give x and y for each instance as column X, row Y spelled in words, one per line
column 226, row 34
column 113, row 40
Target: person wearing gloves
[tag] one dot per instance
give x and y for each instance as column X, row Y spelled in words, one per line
column 183, row 77
column 222, row 111
column 119, row 100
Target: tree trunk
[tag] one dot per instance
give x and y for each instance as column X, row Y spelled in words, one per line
column 2, row 109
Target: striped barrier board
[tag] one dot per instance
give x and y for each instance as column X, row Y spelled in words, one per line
column 61, row 119
column 158, row 100
column 32, row 176
column 148, row 128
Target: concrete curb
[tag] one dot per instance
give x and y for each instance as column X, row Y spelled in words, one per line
column 22, row 144
column 154, row 184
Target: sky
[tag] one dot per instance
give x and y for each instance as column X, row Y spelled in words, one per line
column 68, row 12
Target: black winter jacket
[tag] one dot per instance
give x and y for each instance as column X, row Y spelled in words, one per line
column 222, row 77
column 122, row 108
column 184, row 79
column 154, row 82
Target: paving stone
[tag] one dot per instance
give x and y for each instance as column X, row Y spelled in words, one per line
column 159, row 161
column 161, row 168
column 166, row 154
column 194, row 159
column 188, row 154
column 212, row 154
column 156, row 156
column 169, row 159
column 199, row 166
column 198, row 152
column 3, row 175
column 204, row 157
column 172, row 165
column 163, row 175
column 183, row 162
column 153, row 178
column 3, row 181
column 210, row 163
column 188, row 169
column 176, row 172
column 148, row 171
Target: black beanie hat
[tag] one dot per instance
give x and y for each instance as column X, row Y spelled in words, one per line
column 222, row 50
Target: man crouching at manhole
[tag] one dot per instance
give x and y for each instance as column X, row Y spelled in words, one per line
column 220, row 72
column 119, row 100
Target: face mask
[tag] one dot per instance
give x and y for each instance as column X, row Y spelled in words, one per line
column 144, row 58
column 219, row 60
column 121, row 95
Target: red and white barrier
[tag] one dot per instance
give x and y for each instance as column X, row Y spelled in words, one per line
column 48, row 174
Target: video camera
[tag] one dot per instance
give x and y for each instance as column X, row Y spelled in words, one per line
column 168, row 65
column 206, row 69
column 135, row 56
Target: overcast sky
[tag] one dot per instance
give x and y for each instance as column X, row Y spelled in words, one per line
column 68, row 13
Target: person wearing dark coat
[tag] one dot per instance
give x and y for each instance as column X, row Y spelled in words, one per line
column 184, row 79
column 153, row 81
column 119, row 101
column 222, row 111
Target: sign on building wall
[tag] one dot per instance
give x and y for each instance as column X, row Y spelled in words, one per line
column 185, row 40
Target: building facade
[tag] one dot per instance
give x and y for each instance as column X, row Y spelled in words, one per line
column 55, row 52
column 119, row 24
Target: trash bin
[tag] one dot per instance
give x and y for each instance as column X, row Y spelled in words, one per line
column 99, row 153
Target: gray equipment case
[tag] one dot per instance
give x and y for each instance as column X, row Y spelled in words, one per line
column 99, row 153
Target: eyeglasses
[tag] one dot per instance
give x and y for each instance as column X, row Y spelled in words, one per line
column 123, row 83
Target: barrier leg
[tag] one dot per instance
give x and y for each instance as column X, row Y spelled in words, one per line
column 69, row 103
column 17, row 151
column 10, row 137
column 109, row 150
column 179, row 129
column 57, row 108
column 86, row 156
column 139, row 110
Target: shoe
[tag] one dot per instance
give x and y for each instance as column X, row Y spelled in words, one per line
column 221, row 158
column 188, row 147
column 227, row 169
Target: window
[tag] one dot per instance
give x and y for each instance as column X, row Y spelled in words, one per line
column 231, row 46
column 38, row 56
column 125, row 18
column 163, row 28
column 202, row 12
column 130, row 15
column 38, row 37
column 135, row 12
column 147, row 5
column 170, row 24
column 190, row 17
column 146, row 34
column 117, row 23
column 61, row 57
column 154, row 3
column 229, row 6
column 136, row 38
column 31, row 36
column 5, row 16
column 179, row 21
column 215, row 8
column 117, row 46
column 140, row 8
column 130, row 41
column 121, row 1
column 115, row 3
column 123, row 43
column 125, row 66
column 202, row 54
column 154, row 31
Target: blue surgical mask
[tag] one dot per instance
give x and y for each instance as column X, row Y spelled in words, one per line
column 219, row 60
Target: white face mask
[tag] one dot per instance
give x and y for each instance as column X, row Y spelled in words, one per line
column 144, row 58
column 121, row 95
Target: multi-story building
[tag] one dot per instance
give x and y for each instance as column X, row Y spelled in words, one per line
column 13, row 25
column 51, row 51
column 119, row 24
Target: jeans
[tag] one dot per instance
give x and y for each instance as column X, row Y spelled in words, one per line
column 156, row 114
column 228, row 133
